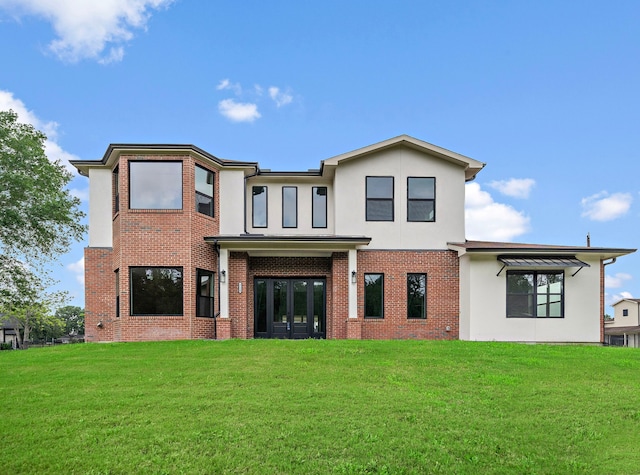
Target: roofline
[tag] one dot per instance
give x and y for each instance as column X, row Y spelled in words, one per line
column 289, row 238
column 629, row 299
column 540, row 249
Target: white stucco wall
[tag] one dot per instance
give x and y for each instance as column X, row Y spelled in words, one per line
column 274, row 205
column 483, row 311
column 400, row 162
column 231, row 183
column 100, row 208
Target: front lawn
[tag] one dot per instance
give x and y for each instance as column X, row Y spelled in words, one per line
column 317, row 406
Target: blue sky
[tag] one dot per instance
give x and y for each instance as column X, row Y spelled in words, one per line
column 546, row 93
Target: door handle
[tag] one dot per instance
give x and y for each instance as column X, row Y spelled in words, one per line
column 288, row 326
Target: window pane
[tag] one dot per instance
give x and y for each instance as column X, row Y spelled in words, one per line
column 300, row 302
column 155, row 185
column 519, row 283
column 380, row 187
column 319, row 207
column 420, row 210
column 373, row 295
column 416, row 295
column 261, row 306
column 379, row 210
column 520, row 305
column 421, row 188
column 279, row 301
column 156, row 291
column 259, row 206
column 289, row 207
column 204, row 181
column 318, row 306
column 204, row 204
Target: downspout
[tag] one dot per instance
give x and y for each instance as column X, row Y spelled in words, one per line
column 604, row 264
column 216, row 247
column 245, row 197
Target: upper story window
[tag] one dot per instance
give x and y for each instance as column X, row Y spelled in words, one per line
column 289, row 207
column 319, row 206
column 259, row 206
column 116, row 190
column 625, row 312
column 535, row 294
column 156, row 290
column 155, row 185
column 421, row 199
column 204, row 191
column 379, row 198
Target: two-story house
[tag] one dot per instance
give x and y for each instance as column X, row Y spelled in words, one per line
column 624, row 329
column 371, row 245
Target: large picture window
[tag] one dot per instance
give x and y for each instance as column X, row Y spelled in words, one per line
column 204, row 191
column 155, row 185
column 156, row 290
column 289, row 207
column 319, row 206
column 259, row 206
column 535, row 294
column 205, row 293
column 374, row 295
column 416, row 296
column 379, row 198
column 421, row 199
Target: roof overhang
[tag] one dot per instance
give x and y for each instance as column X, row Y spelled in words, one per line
column 621, row 330
column 288, row 246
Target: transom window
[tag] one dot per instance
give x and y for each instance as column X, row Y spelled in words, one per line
column 155, row 185
column 259, row 206
column 319, row 206
column 204, row 191
column 156, row 290
column 205, row 293
column 535, row 294
column 421, row 199
column 374, row 295
column 289, row 207
column 416, row 295
column 379, row 198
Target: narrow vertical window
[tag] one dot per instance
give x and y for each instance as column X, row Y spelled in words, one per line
column 116, row 190
column 205, row 293
column 421, row 199
column 204, row 191
column 259, row 208
column 289, row 207
column 379, row 198
column 319, row 206
column 117, row 293
column 374, row 295
column 416, row 296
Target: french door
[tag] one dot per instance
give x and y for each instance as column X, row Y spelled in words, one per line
column 289, row 308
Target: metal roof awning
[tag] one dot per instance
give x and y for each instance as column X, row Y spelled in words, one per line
column 542, row 261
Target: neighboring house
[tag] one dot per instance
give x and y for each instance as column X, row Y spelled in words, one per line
column 624, row 329
column 9, row 331
column 372, row 245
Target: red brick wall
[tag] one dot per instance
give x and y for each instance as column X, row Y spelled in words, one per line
column 441, row 268
column 238, row 310
column 100, row 284
column 337, row 327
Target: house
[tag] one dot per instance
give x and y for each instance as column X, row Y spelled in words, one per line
column 9, row 331
column 183, row 244
column 624, row 329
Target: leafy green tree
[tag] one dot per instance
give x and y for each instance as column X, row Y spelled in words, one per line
column 73, row 318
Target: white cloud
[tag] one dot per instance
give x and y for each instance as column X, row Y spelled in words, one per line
column 610, row 299
column 85, row 29
column 78, row 269
column 279, row 97
column 616, row 281
column 226, row 84
column 605, row 207
column 514, row 187
column 52, row 148
column 487, row 220
column 238, row 111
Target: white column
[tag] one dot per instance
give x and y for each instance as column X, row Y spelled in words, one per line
column 353, row 286
column 224, row 283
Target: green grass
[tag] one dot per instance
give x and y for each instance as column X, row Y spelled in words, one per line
column 344, row 407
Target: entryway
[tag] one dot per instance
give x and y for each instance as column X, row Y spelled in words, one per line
column 289, row 307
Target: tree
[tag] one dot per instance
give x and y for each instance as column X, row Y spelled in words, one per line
column 73, row 318
column 39, row 219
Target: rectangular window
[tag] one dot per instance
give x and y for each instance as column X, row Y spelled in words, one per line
column 416, row 295
column 289, row 207
column 625, row 312
column 259, row 206
column 421, row 199
column 374, row 295
column 116, row 190
column 319, row 206
column 379, row 198
column 156, row 290
column 205, row 293
column 535, row 294
column 117, row 293
column 155, row 185
column 204, row 191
